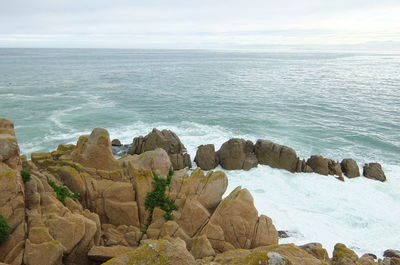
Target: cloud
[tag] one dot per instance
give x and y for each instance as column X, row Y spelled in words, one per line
column 127, row 23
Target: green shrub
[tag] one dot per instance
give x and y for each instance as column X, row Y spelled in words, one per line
column 26, row 175
column 4, row 229
column 157, row 198
column 62, row 192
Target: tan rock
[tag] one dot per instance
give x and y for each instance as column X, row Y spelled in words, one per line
column 324, row 166
column 156, row 160
column 95, row 151
column 48, row 253
column 193, row 216
column 201, row 247
column 157, row 252
column 350, row 168
column 317, row 251
column 366, row 259
column 102, row 253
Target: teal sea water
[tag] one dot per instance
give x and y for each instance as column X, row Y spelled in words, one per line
column 334, row 104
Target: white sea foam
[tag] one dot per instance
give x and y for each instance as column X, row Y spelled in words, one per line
column 56, row 116
column 362, row 213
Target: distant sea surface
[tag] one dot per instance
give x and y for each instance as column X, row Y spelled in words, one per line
column 338, row 105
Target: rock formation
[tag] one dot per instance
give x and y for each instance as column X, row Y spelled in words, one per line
column 206, row 157
column 374, row 171
column 166, row 140
column 237, row 154
column 324, row 166
column 350, row 168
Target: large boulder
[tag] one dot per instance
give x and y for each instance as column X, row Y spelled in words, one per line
column 343, row 255
column 157, row 252
column 166, row 140
column 278, row 156
column 391, row 253
column 9, row 149
column 206, row 157
column 350, row 168
column 235, row 224
column 324, row 166
column 95, row 151
column 317, row 251
column 237, row 154
column 374, row 171
column 156, row 160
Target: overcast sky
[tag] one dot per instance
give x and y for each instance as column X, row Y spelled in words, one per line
column 195, row 23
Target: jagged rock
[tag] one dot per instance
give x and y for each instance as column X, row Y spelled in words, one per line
column 9, row 149
column 283, row 234
column 350, row 168
column 237, row 154
column 317, row 251
column 201, row 247
column 324, row 166
column 102, row 253
column 95, row 151
column 343, row 256
column 166, row 252
column 206, row 157
column 374, row 171
column 391, row 253
column 394, row 261
column 12, row 202
column 235, row 224
column 166, row 140
column 276, row 156
column 116, row 142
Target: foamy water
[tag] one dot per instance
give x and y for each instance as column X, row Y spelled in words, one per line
column 337, row 105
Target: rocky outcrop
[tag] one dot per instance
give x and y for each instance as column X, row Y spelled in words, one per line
column 374, row 171
column 164, row 251
column 317, row 251
column 95, row 151
column 12, row 202
column 166, row 140
column 235, row 224
column 343, row 255
column 237, row 154
column 391, row 253
column 156, row 160
column 350, row 168
column 206, row 157
column 279, row 156
column 324, row 166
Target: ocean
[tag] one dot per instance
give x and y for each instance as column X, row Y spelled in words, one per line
column 334, row 104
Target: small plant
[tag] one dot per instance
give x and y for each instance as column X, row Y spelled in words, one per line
column 62, row 192
column 4, row 230
column 157, row 198
column 26, row 175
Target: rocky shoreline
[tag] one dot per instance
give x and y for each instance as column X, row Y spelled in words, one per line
column 80, row 205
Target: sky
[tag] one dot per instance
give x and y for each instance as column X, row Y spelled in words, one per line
column 197, row 24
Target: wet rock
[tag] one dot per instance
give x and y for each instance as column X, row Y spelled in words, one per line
column 237, row 154
column 324, row 166
column 121, row 150
column 276, row 156
column 350, row 168
column 374, row 171
column 282, row 234
column 206, row 157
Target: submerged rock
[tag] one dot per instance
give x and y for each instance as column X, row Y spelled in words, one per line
column 374, row 171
